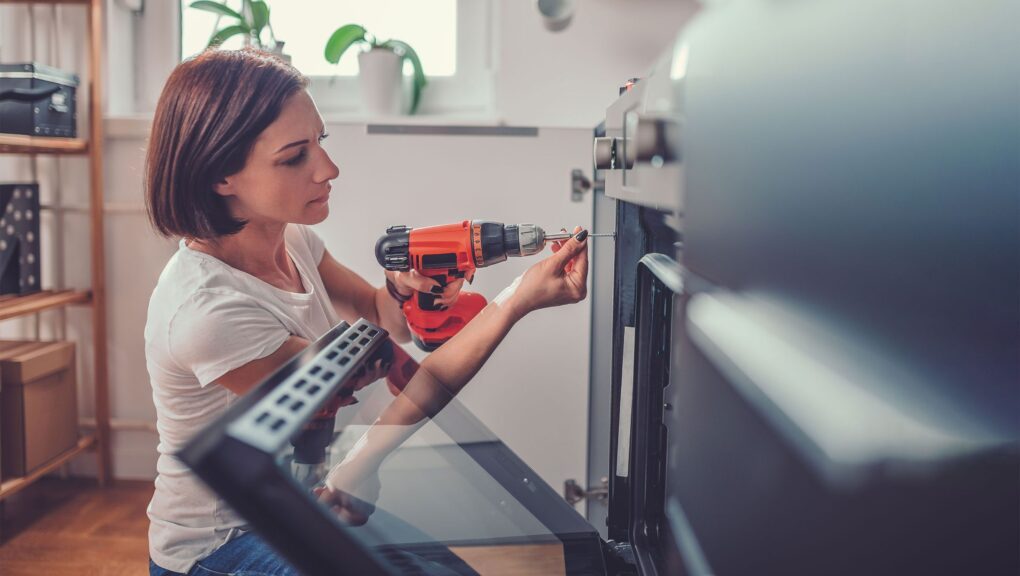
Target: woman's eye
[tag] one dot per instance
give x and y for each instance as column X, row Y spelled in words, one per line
column 323, row 136
column 296, row 159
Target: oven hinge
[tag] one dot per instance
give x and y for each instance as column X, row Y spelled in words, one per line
column 573, row 493
column 620, row 559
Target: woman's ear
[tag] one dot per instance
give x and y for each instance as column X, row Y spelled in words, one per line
column 224, row 187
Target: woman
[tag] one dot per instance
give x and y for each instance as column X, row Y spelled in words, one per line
column 236, row 169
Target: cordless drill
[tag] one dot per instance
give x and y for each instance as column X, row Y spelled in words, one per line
column 445, row 253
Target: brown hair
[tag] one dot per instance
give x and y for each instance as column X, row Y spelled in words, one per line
column 212, row 109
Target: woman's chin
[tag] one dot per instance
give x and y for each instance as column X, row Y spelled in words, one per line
column 316, row 212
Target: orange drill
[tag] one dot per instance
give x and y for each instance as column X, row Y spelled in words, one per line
column 448, row 252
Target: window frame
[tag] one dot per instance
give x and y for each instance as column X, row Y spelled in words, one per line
column 468, row 92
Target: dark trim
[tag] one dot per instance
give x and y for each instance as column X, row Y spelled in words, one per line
column 658, row 283
column 412, row 130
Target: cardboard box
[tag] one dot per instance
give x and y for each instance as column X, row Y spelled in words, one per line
column 38, row 404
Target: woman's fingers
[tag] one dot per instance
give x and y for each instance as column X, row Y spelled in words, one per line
column 413, row 280
column 452, row 292
column 573, row 262
column 570, row 249
column 578, row 276
column 579, row 265
column 557, row 244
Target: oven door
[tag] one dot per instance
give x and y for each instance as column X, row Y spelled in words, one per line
column 659, row 293
column 405, row 480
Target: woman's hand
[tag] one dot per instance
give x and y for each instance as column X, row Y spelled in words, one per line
column 366, row 375
column 559, row 279
column 409, row 282
column 355, row 502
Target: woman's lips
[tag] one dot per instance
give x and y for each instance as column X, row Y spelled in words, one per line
column 321, row 199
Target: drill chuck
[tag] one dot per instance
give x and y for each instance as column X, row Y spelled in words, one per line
column 498, row 241
column 523, row 239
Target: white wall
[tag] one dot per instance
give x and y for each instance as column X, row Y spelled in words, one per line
column 533, row 392
column 569, row 78
column 386, row 180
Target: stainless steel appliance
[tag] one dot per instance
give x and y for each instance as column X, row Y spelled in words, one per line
column 814, row 335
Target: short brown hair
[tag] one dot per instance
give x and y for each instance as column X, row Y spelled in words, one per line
column 209, row 115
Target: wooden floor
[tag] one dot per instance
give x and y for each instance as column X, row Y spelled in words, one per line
column 73, row 527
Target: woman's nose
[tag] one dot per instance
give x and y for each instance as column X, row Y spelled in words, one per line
column 327, row 170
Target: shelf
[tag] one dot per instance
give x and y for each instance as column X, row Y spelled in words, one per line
column 14, row 306
column 89, row 144
column 13, row 485
column 17, row 144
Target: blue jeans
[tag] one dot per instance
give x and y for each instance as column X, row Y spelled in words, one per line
column 246, row 555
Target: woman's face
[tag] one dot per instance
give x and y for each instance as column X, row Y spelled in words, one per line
column 287, row 175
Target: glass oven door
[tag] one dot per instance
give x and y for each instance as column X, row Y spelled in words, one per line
column 346, row 469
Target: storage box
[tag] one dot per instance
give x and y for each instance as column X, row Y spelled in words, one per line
column 37, row 100
column 38, row 404
column 20, row 255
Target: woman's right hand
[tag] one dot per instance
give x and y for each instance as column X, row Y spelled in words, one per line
column 561, row 278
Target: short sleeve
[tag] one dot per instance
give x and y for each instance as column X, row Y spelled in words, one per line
column 216, row 331
column 315, row 244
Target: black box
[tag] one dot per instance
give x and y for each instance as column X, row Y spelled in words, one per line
column 37, row 100
column 19, row 238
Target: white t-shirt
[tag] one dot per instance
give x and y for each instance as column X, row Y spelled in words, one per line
column 205, row 319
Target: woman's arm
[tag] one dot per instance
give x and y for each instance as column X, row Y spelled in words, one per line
column 241, row 380
column 353, row 297
column 559, row 279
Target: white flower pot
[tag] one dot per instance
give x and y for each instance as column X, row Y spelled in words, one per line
column 379, row 78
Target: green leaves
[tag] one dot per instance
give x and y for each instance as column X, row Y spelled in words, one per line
column 346, row 36
column 342, row 39
column 216, row 8
column 226, row 33
column 250, row 21
column 409, row 55
column 259, row 15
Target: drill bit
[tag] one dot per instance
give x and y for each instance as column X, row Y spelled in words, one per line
column 566, row 235
column 528, row 239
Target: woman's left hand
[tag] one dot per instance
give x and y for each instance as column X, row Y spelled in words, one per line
column 409, row 282
column 351, row 499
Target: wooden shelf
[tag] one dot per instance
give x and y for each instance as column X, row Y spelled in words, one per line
column 17, row 144
column 89, row 145
column 13, row 485
column 14, row 306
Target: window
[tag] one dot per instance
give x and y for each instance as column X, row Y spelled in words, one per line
column 450, row 36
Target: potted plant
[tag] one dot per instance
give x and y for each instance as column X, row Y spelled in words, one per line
column 249, row 22
column 380, row 69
